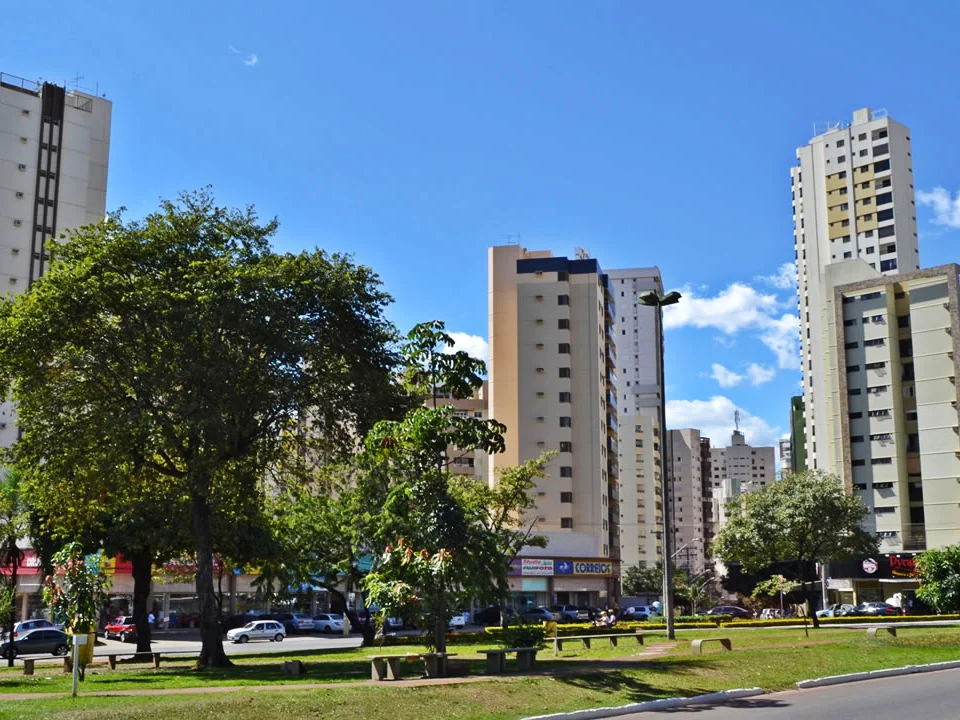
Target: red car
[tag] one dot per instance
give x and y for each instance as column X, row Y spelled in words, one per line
column 121, row 627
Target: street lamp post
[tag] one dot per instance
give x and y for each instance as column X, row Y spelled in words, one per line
column 658, row 301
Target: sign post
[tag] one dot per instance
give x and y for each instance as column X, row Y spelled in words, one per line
column 78, row 640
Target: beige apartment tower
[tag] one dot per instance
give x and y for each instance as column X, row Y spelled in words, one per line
column 54, row 152
column 895, row 426
column 736, row 469
column 552, row 382
column 640, row 407
column 685, row 474
column 853, row 197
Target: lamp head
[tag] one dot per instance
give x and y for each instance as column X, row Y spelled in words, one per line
column 649, row 298
column 671, row 298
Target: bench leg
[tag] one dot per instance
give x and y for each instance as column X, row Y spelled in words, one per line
column 28, row 667
column 112, row 661
column 613, row 641
column 393, row 669
column 378, row 670
column 727, row 646
column 435, row 666
column 586, row 643
column 156, row 660
column 639, row 639
column 526, row 661
column 495, row 664
column 68, row 664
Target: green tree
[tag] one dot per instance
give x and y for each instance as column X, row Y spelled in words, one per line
column 642, row 580
column 186, row 347
column 14, row 517
column 442, row 552
column 939, row 573
column 804, row 518
column 775, row 585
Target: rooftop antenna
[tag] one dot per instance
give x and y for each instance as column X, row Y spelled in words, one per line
column 513, row 239
column 581, row 254
column 736, row 419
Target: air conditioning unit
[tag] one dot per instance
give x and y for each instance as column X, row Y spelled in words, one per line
column 17, row 223
column 23, row 140
column 21, row 167
column 19, row 194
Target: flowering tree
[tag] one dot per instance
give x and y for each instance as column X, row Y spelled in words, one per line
column 76, row 590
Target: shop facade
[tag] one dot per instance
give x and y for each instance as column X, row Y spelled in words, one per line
column 542, row 582
column 879, row 578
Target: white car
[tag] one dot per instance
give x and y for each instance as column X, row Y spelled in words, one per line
column 639, row 612
column 328, row 623
column 303, row 622
column 458, row 622
column 258, row 630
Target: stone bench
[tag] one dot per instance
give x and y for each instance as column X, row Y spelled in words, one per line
column 585, row 640
column 697, row 645
column 389, row 667
column 153, row 657
column 872, row 632
column 497, row 659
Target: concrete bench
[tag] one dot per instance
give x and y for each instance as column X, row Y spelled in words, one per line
column 872, row 632
column 697, row 645
column 153, row 657
column 497, row 659
column 389, row 667
column 585, row 640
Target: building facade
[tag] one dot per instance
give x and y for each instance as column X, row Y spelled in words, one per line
column 897, row 444
column 736, row 469
column 798, row 435
column 552, row 382
column 685, row 477
column 54, row 153
column 640, row 400
column 853, row 197
column 706, row 493
column 472, row 463
column 786, row 456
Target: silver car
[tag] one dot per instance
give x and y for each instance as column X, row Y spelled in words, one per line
column 258, row 630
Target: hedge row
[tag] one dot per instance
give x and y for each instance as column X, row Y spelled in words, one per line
column 886, row 618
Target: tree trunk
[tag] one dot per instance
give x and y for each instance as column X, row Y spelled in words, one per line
column 807, row 595
column 13, row 601
column 142, row 568
column 440, row 622
column 211, row 633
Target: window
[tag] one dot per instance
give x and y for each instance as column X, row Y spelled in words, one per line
column 867, row 201
column 863, row 153
column 564, row 397
column 856, row 415
column 884, row 215
column 566, row 422
column 840, row 143
column 563, row 299
column 885, row 231
column 883, row 510
column 906, row 348
column 865, row 185
column 539, row 298
column 563, row 324
column 853, row 368
column 842, row 174
column 843, row 191
column 862, row 136
column 847, row 299
column 881, row 149
column 881, row 166
column 881, row 437
column 884, row 198
column 859, row 486
column 566, row 523
column 856, row 438
column 539, row 371
column 564, row 372
column 876, row 342
column 844, row 223
column 879, row 413
column 870, row 296
column 903, row 321
column 847, row 255
column 566, row 471
column 871, row 250
column 859, row 463
column 852, row 345
column 853, row 391
column 844, row 206
column 563, row 348
column 562, row 276
column 566, row 497
column 842, row 158
column 877, row 389
column 875, row 365
column 886, row 265
column 850, row 323
column 566, row 446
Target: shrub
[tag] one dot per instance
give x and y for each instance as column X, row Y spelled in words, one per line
column 517, row 636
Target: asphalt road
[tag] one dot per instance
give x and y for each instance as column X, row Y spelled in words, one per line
column 930, row 696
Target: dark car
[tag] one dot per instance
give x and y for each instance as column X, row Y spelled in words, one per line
column 732, row 610
column 285, row 619
column 121, row 627
column 571, row 614
column 42, row 640
column 25, row 626
column 490, row 616
column 874, row 609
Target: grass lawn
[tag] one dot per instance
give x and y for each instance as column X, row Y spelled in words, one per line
column 771, row 659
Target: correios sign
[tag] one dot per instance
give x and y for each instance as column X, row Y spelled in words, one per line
column 550, row 567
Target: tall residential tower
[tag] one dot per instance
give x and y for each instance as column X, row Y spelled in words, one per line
column 852, row 198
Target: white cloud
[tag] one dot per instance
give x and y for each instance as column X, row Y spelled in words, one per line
column 251, row 60
column 741, row 307
column 724, row 341
column 473, row 345
column 946, row 209
column 726, row 378
column 714, row 419
column 759, row 374
column 784, row 279
column 232, row 49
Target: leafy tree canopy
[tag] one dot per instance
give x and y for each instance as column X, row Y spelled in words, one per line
column 939, row 572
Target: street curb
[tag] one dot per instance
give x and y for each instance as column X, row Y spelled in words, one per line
column 877, row 674
column 665, row 704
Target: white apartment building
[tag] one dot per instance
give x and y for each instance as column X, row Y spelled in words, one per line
column 552, row 382
column 853, row 197
column 786, row 456
column 895, row 424
column 640, row 399
column 737, row 469
column 685, row 476
column 54, row 152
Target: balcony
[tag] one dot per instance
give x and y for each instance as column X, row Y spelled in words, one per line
column 613, row 472
column 610, row 308
column 612, row 423
column 612, row 446
column 914, row 537
column 612, row 400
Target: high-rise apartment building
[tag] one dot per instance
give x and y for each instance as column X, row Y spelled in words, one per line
column 552, row 382
column 54, row 151
column 737, row 469
column 786, row 456
column 685, row 475
column 472, row 463
column 896, row 426
column 852, row 198
column 640, row 400
column 798, row 435
column 706, row 493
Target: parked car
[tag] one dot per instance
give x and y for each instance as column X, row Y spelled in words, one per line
column 491, row 616
column 540, row 614
column 732, row 610
column 38, row 640
column 25, row 626
column 458, row 621
column 571, row 613
column 121, row 627
column 874, row 609
column 638, row 612
column 292, row 622
column 270, row 630
column 328, row 623
column 835, row 610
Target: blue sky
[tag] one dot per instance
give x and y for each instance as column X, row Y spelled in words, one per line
column 416, row 134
